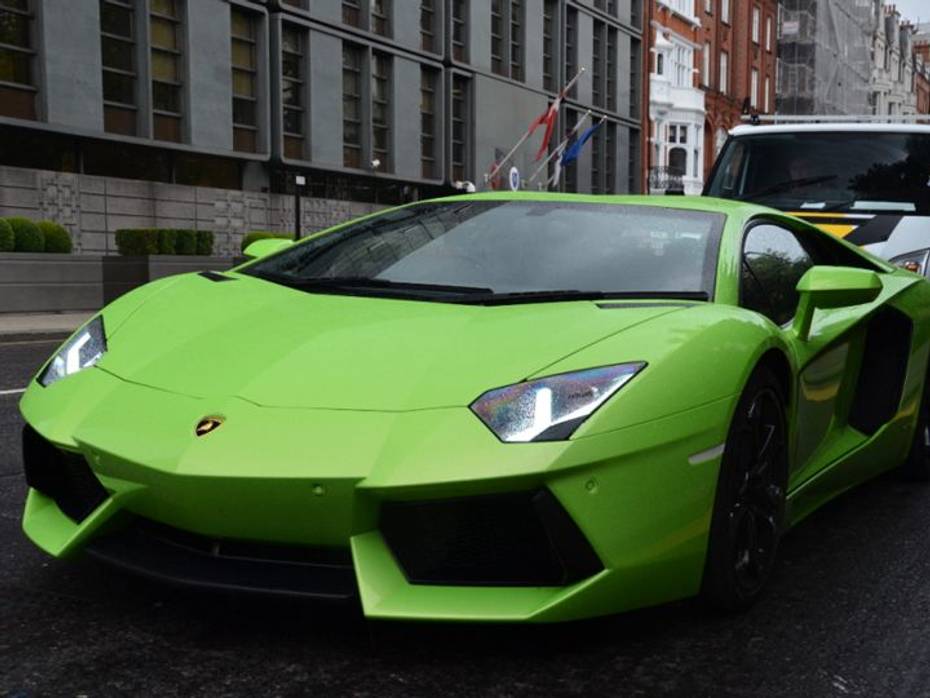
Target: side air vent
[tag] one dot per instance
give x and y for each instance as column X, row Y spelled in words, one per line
column 884, row 368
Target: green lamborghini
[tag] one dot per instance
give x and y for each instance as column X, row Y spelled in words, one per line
column 494, row 407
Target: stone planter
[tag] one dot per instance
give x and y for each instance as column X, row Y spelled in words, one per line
column 123, row 274
column 42, row 283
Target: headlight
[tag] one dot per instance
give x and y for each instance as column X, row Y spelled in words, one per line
column 913, row 261
column 82, row 351
column 550, row 409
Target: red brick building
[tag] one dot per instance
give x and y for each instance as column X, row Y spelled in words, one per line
column 738, row 68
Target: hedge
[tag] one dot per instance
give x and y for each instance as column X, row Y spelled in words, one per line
column 7, row 239
column 152, row 241
column 27, row 237
column 255, row 235
column 57, row 237
column 205, row 242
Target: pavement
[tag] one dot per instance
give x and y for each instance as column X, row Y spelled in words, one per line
column 29, row 324
column 848, row 613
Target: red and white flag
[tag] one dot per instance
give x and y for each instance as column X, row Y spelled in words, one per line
column 548, row 118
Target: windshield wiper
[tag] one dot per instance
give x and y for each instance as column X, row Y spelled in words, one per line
column 787, row 185
column 555, row 296
column 325, row 283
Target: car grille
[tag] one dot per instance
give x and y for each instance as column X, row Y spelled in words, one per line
column 521, row 539
column 61, row 475
column 183, row 558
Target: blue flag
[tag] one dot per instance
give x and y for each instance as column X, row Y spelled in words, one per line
column 574, row 150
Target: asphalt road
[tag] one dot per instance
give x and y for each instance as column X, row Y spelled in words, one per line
column 848, row 614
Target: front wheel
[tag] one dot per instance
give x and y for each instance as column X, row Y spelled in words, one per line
column 749, row 506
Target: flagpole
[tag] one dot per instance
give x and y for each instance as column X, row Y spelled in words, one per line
column 551, row 179
column 559, row 147
column 497, row 168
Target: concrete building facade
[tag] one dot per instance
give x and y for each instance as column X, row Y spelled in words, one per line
column 374, row 102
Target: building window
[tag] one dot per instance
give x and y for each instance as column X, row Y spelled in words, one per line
column 292, row 90
column 768, row 91
column 516, row 39
column 497, row 36
column 725, row 11
column 709, row 6
column 754, row 88
column 756, row 24
column 428, row 123
column 571, row 46
column 597, row 68
column 684, row 66
column 610, row 159
column 768, row 34
column 381, row 110
column 352, row 12
column 245, row 80
column 381, row 17
column 165, row 33
column 507, row 38
column 459, row 30
column 18, row 94
column 118, row 52
column 611, row 69
column 550, row 8
column 723, row 83
column 428, row 26
column 705, row 67
column 460, row 135
column 597, row 152
column 351, row 105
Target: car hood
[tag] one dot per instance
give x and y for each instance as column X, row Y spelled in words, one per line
column 279, row 347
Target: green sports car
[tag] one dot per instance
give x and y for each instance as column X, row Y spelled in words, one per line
column 494, row 407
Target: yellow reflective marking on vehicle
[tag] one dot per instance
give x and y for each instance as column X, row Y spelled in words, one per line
column 838, row 230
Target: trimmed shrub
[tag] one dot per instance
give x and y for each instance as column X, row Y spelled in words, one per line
column 205, row 242
column 186, row 242
column 137, row 241
column 149, row 241
column 57, row 237
column 7, row 239
column 26, row 235
column 167, row 241
column 249, row 238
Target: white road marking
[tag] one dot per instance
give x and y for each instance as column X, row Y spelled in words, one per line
column 18, row 391
column 707, row 455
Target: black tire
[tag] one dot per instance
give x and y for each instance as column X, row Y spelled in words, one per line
column 916, row 467
column 749, row 507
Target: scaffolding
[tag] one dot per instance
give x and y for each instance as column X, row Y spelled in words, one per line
column 825, row 56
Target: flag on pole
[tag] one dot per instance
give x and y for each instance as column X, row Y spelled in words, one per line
column 574, row 150
column 548, row 118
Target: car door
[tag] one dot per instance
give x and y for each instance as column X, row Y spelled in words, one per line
column 774, row 260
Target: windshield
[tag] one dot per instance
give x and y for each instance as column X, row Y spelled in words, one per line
column 816, row 171
column 478, row 250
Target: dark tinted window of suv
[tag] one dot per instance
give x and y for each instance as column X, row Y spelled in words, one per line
column 773, row 263
column 842, row 171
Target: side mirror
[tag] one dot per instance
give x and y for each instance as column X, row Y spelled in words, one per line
column 263, row 248
column 833, row 287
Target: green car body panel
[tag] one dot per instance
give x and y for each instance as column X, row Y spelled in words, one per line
column 335, row 404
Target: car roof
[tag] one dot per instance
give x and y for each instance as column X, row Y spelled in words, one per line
column 749, row 130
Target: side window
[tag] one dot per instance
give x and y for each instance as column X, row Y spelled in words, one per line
column 773, row 263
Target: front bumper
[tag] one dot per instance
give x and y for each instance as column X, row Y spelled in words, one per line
column 324, row 482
